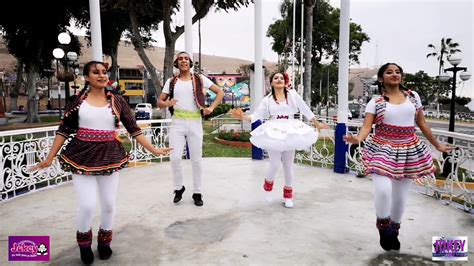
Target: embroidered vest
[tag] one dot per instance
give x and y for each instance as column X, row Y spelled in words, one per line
column 381, row 106
column 198, row 93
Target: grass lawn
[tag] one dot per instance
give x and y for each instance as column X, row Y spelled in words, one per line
column 213, row 149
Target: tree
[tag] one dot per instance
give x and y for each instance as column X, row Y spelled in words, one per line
column 309, row 6
column 26, row 39
column 324, row 37
column 447, row 48
column 202, row 8
column 422, row 83
column 144, row 18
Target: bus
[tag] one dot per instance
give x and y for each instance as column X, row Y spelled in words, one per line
column 131, row 82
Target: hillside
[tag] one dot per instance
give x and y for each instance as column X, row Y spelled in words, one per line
column 128, row 58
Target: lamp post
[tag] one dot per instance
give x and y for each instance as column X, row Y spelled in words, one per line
column 65, row 39
column 58, row 53
column 454, row 60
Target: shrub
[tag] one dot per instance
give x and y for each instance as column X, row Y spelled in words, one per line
column 235, row 135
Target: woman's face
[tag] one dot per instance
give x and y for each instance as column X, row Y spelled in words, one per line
column 392, row 76
column 97, row 76
column 278, row 81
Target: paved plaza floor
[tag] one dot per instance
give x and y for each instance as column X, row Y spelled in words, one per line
column 332, row 222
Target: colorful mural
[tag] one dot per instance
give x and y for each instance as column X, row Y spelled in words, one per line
column 235, row 93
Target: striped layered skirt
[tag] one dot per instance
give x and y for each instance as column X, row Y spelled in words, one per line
column 398, row 153
column 93, row 152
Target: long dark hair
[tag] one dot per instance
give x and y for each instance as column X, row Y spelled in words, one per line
column 273, row 90
column 382, row 69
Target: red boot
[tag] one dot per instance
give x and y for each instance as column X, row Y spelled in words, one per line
column 288, row 196
column 268, row 185
column 103, row 244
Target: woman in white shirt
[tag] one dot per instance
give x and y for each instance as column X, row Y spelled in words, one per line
column 394, row 155
column 282, row 134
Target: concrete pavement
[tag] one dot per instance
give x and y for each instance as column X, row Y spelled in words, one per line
column 332, row 223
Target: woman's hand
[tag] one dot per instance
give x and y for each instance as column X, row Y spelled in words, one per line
column 444, row 148
column 320, row 125
column 237, row 113
column 351, row 139
column 41, row 165
column 162, row 151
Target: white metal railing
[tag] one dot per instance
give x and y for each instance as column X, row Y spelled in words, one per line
column 22, row 149
column 457, row 186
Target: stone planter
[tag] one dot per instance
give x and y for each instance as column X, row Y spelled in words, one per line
column 238, row 144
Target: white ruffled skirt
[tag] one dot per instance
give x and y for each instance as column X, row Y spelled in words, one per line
column 284, row 135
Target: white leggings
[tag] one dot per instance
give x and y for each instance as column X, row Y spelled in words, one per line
column 390, row 197
column 86, row 189
column 285, row 158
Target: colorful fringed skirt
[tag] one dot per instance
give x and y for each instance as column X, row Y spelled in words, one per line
column 93, row 152
column 398, row 153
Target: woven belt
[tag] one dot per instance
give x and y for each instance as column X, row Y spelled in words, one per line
column 87, row 134
column 396, row 132
column 183, row 114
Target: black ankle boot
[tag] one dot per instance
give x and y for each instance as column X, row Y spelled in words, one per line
column 395, row 227
column 178, row 195
column 84, row 240
column 197, row 197
column 103, row 244
column 87, row 256
column 385, row 233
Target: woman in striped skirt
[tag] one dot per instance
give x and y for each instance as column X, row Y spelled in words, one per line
column 94, row 154
column 394, row 155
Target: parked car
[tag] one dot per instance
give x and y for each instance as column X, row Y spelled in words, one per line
column 143, row 111
column 354, row 109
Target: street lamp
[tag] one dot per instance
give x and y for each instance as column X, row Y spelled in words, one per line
column 455, row 60
column 58, row 53
column 65, row 39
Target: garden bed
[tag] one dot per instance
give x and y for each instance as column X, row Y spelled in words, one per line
column 238, row 144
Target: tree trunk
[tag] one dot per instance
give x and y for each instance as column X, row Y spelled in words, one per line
column 168, row 65
column 32, row 106
column 114, row 67
column 139, row 47
column 171, row 37
column 16, row 89
column 309, row 5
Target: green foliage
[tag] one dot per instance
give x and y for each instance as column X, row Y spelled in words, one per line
column 325, row 33
column 31, row 33
column 234, row 136
column 447, row 47
column 222, row 108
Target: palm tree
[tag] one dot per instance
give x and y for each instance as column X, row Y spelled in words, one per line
column 447, row 48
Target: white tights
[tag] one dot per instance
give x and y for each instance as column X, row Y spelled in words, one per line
column 390, row 197
column 86, row 189
column 285, row 158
